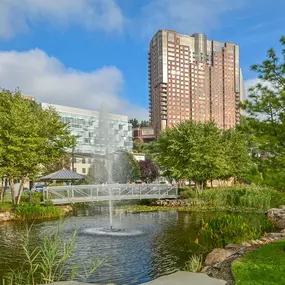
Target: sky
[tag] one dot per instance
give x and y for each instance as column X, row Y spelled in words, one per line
column 82, row 53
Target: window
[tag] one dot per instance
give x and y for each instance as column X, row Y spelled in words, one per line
column 83, row 170
column 83, row 160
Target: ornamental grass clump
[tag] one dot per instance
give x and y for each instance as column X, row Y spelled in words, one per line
column 194, row 264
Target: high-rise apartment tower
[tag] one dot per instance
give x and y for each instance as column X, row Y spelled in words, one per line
column 192, row 78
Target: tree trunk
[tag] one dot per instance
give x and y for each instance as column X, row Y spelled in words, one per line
column 21, row 188
column 211, row 183
column 2, row 190
column 12, row 186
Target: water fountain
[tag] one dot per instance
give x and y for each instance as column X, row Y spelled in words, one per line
column 106, row 154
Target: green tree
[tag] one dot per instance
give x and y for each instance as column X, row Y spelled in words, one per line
column 97, row 173
column 140, row 147
column 145, row 124
column 266, row 104
column 29, row 138
column 125, row 168
column 191, row 150
column 62, row 162
column 266, row 115
column 237, row 155
column 134, row 122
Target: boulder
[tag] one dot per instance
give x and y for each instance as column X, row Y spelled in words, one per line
column 280, row 224
column 5, row 219
column 246, row 244
column 232, row 246
column 273, row 235
column 205, row 269
column 217, row 255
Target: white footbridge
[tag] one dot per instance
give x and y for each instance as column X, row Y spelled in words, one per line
column 106, row 192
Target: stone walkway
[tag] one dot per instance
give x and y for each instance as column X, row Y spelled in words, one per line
column 178, row 278
column 186, row 278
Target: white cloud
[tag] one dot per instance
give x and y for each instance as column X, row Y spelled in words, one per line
column 48, row 80
column 185, row 16
column 253, row 82
column 16, row 15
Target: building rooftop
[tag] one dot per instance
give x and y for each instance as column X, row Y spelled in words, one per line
column 84, row 112
column 63, row 174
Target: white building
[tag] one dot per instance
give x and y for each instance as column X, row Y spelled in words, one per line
column 85, row 125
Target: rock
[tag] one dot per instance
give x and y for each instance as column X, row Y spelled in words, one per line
column 5, row 219
column 272, row 235
column 280, row 224
column 232, row 246
column 260, row 242
column 282, row 207
column 246, row 244
column 217, row 255
column 205, row 269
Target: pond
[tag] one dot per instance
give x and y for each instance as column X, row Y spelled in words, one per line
column 165, row 243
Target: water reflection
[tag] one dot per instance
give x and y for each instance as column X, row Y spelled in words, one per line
column 164, row 246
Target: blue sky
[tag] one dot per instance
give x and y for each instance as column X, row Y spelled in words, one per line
column 83, row 52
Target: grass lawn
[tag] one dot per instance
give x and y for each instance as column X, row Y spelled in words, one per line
column 263, row 266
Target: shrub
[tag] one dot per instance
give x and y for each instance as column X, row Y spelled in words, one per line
column 146, row 202
column 5, row 206
column 56, row 184
column 36, row 198
column 186, row 193
column 235, row 229
column 194, row 264
column 48, row 203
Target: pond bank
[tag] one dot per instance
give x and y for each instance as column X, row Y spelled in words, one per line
column 222, row 259
column 186, row 208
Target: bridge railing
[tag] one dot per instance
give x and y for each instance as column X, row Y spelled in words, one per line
column 101, row 192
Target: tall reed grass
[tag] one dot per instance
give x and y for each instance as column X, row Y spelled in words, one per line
column 34, row 212
column 49, row 262
column 243, row 196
